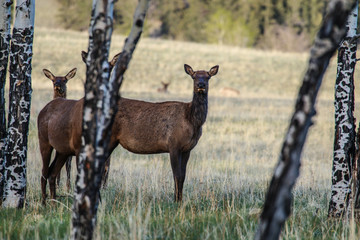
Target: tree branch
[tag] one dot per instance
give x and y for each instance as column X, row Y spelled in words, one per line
column 130, row 44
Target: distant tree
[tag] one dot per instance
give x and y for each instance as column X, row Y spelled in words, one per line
column 74, row 14
column 341, row 202
column 5, row 17
column 19, row 105
column 100, row 106
column 237, row 22
column 278, row 199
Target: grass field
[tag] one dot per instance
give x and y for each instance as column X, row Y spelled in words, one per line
column 230, row 168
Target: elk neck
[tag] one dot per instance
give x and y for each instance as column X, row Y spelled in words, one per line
column 198, row 109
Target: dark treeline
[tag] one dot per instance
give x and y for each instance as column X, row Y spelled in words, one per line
column 288, row 25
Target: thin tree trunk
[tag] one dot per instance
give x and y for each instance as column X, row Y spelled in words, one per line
column 344, row 141
column 19, row 107
column 278, row 199
column 130, row 44
column 356, row 179
column 100, row 107
column 5, row 17
column 97, row 121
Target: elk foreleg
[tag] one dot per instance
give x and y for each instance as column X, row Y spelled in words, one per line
column 178, row 164
column 106, row 172
column 68, row 173
column 54, row 170
column 58, row 179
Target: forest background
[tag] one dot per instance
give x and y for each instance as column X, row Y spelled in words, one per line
column 286, row 25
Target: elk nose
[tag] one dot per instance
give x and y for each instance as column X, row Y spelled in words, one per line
column 201, row 85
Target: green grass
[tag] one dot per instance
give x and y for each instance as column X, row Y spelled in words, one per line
column 230, row 168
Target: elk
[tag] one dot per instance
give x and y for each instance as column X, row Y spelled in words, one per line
column 164, row 87
column 59, row 85
column 140, row 127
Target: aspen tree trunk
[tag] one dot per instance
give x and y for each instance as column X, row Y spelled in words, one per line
column 5, row 17
column 356, row 180
column 100, row 107
column 19, row 104
column 278, row 199
column 97, row 121
column 344, row 141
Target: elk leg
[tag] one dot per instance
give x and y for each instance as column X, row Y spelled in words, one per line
column 46, row 156
column 175, row 159
column 184, row 160
column 68, row 173
column 106, row 169
column 58, row 179
column 77, row 163
column 106, row 172
column 54, row 170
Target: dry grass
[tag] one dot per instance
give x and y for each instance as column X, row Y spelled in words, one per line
column 229, row 169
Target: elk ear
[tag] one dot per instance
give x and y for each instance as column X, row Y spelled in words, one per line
column 213, row 71
column 84, row 56
column 49, row 75
column 188, row 70
column 115, row 58
column 71, row 74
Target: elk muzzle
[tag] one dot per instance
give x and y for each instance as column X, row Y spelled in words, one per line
column 201, row 87
column 59, row 89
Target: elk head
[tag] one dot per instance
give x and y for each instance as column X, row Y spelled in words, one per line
column 111, row 63
column 59, row 82
column 164, row 87
column 201, row 78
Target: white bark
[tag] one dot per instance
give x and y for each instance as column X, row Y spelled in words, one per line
column 344, row 143
column 5, row 17
column 99, row 110
column 19, row 109
column 96, row 122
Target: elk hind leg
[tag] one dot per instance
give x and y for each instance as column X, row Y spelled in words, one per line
column 68, row 173
column 58, row 179
column 54, row 170
column 46, row 156
column 105, row 173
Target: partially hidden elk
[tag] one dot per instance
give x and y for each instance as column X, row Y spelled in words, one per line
column 59, row 86
column 59, row 82
column 140, row 127
column 164, row 88
column 107, row 163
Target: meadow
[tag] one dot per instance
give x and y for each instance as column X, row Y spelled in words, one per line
column 228, row 171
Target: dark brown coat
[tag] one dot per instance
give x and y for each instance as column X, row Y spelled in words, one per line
column 140, row 127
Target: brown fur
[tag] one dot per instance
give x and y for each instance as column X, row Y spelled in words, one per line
column 59, row 86
column 140, row 127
